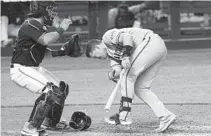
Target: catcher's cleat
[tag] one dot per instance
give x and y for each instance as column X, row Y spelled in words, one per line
column 61, row 125
column 114, row 120
column 46, row 123
column 43, row 133
column 165, row 122
column 29, row 130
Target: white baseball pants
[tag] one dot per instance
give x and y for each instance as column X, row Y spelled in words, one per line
column 33, row 79
column 144, row 68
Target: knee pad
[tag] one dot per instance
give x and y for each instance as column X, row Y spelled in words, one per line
column 64, row 87
column 40, row 98
column 55, row 114
column 40, row 113
column 57, row 96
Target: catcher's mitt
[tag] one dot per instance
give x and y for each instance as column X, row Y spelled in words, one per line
column 72, row 47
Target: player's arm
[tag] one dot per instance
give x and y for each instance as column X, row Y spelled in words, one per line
column 48, row 38
column 51, row 37
column 71, row 48
column 123, row 42
column 35, row 30
column 127, row 41
column 116, row 69
column 116, row 37
column 50, row 53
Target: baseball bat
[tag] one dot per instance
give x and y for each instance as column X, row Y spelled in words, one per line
column 113, row 94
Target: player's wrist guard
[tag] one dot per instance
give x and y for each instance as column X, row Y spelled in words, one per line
column 57, row 53
column 60, row 31
column 128, row 50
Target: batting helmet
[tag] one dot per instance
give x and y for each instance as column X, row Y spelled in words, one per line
column 80, row 121
column 43, row 9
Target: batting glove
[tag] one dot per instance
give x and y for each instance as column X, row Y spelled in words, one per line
column 111, row 76
column 126, row 63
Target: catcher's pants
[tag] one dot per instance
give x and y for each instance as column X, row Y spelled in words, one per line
column 144, row 68
column 32, row 78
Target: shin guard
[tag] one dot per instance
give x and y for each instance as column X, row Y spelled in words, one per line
column 125, row 107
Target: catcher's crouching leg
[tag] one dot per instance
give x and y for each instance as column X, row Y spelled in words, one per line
column 54, row 115
column 38, row 100
column 45, row 102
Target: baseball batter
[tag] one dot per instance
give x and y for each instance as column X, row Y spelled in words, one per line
column 140, row 52
column 26, row 72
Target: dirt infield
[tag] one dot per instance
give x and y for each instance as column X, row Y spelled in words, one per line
column 183, row 84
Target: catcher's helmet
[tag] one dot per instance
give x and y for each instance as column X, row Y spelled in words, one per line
column 43, row 9
column 80, row 121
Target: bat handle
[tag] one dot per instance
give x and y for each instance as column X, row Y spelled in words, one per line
column 113, row 94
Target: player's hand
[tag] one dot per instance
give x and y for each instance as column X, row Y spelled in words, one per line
column 126, row 63
column 56, row 22
column 111, row 76
column 114, row 74
column 65, row 23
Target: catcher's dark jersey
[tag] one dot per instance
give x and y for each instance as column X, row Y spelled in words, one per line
column 28, row 51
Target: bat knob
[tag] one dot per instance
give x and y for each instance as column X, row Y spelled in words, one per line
column 107, row 110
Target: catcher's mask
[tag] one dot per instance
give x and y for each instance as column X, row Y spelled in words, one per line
column 80, row 121
column 45, row 9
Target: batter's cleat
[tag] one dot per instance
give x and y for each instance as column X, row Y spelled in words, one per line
column 29, row 130
column 114, row 120
column 165, row 122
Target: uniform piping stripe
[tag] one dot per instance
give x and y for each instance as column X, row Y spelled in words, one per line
column 30, row 76
column 32, row 54
column 117, row 38
column 131, row 66
column 135, row 60
column 32, row 25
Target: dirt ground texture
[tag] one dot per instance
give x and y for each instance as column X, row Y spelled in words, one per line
column 183, row 84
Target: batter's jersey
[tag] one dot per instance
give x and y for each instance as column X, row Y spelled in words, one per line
column 115, row 49
column 27, row 50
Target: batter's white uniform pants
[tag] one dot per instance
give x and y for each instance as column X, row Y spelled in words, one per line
column 33, row 79
column 144, row 68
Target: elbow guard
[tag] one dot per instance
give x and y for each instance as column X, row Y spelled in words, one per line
column 128, row 50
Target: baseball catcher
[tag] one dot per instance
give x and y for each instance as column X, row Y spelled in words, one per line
column 31, row 48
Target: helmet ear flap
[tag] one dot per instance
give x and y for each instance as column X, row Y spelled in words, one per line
column 88, row 123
